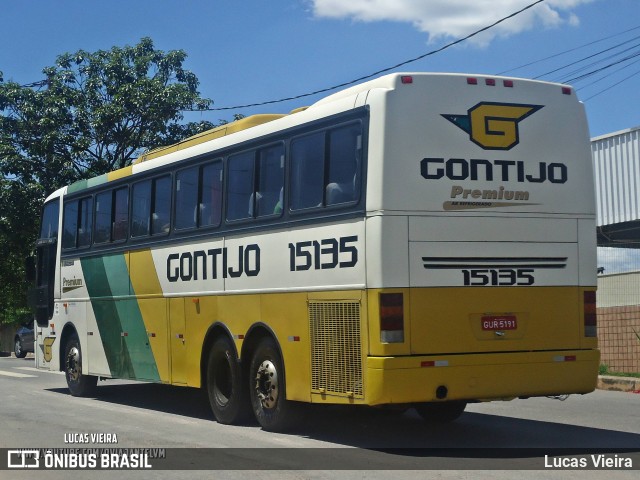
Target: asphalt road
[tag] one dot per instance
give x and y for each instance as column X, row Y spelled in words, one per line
column 490, row 440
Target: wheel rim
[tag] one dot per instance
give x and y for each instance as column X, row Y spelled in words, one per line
column 73, row 363
column 267, row 384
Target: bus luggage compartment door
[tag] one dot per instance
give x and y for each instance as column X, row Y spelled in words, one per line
column 487, row 295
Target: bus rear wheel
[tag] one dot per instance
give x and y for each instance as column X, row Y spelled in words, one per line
column 227, row 392
column 267, row 389
column 80, row 385
column 441, row 412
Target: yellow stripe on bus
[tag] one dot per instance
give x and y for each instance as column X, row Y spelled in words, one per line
column 153, row 307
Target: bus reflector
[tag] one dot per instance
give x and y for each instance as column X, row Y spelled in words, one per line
column 435, row 363
column 564, row 358
column 472, row 81
column 566, row 90
column 508, row 83
column 590, row 316
column 391, row 318
column 406, row 79
column 490, row 81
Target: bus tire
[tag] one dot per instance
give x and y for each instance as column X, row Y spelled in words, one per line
column 440, row 412
column 226, row 391
column 80, row 385
column 267, row 389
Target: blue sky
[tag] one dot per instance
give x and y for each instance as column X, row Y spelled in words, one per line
column 258, row 50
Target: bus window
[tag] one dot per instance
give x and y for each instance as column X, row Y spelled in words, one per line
column 307, row 164
column 70, row 225
column 343, row 184
column 120, row 214
column 240, row 188
column 161, row 205
column 270, row 181
column 85, row 222
column 102, row 232
column 49, row 228
column 186, row 198
column 211, row 203
column 141, row 199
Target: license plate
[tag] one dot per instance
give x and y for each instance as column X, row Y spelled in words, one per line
column 499, row 322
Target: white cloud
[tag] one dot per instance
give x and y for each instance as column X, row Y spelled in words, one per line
column 453, row 18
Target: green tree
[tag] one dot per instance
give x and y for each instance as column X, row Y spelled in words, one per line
column 92, row 113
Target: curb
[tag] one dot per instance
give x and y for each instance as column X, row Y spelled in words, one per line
column 618, row 384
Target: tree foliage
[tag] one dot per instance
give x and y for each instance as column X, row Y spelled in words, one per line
column 92, row 113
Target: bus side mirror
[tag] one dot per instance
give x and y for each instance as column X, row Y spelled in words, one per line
column 30, row 269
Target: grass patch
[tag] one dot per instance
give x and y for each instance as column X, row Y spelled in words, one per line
column 604, row 370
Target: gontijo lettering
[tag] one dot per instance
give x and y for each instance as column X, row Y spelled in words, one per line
column 213, row 263
column 501, row 170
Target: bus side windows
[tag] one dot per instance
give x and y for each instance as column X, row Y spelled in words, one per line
column 120, row 227
column 70, row 225
column 112, row 214
column 50, row 214
column 307, row 171
column 256, row 183
column 326, row 168
column 210, row 208
column 186, row 198
column 161, row 213
column 240, row 186
column 77, row 223
column 270, row 181
column 104, row 204
column 151, row 212
column 141, row 201
column 199, row 196
column 343, row 183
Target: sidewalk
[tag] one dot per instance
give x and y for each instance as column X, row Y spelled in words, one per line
column 619, row 384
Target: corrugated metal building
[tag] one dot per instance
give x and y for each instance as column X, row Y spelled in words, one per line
column 616, row 159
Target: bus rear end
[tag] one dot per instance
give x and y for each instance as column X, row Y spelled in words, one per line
column 481, row 252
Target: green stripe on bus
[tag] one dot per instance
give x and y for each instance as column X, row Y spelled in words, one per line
column 119, row 320
column 83, row 184
column 77, row 186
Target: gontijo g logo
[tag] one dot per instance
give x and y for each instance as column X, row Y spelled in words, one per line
column 493, row 126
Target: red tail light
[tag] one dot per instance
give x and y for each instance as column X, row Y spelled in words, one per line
column 590, row 316
column 391, row 318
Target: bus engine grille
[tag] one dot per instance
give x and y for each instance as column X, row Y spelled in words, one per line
column 336, row 349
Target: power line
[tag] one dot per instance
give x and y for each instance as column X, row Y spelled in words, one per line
column 611, row 86
column 593, row 56
column 592, row 72
column 608, row 75
column 559, row 54
column 384, row 70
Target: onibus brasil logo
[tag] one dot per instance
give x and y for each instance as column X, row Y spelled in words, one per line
column 493, row 126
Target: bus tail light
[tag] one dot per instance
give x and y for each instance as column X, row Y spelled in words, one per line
column 590, row 316
column 391, row 318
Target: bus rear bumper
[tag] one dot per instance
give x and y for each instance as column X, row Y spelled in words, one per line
column 492, row 376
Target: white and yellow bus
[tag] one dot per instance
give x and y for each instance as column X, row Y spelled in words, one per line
column 422, row 240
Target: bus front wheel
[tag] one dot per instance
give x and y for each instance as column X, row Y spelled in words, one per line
column 267, row 388
column 80, row 385
column 441, row 412
column 227, row 394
